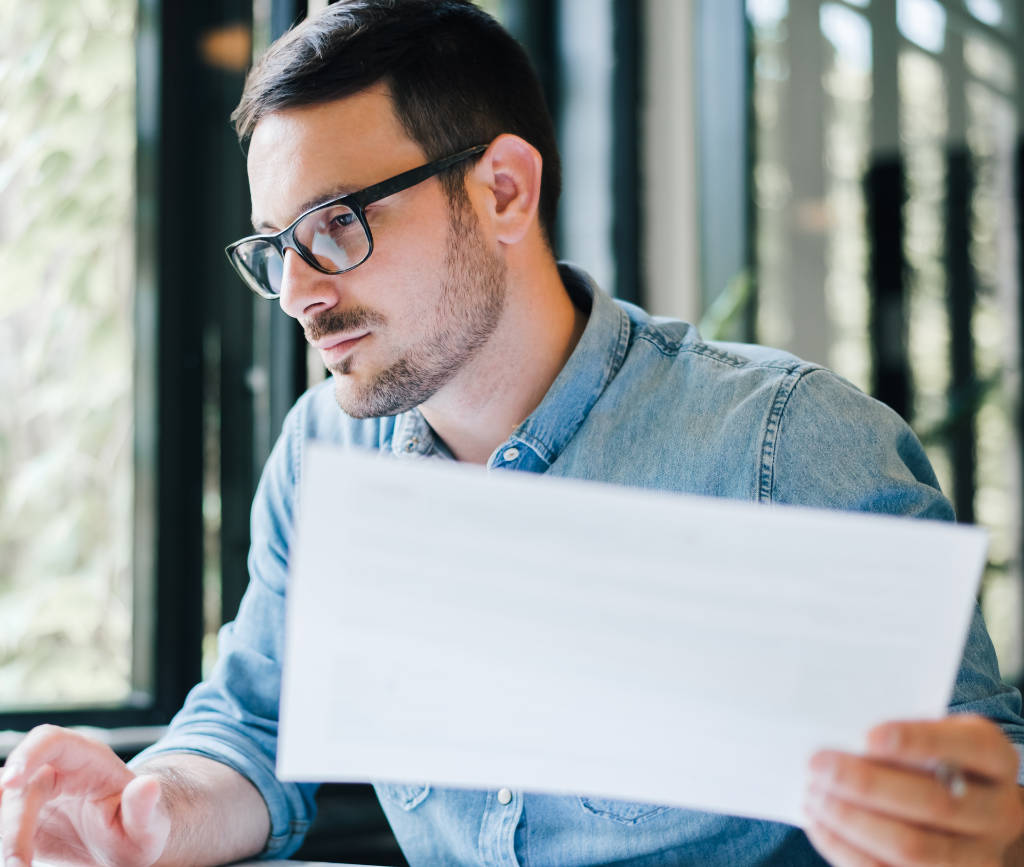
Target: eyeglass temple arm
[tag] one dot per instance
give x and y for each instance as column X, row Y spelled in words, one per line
column 412, row 177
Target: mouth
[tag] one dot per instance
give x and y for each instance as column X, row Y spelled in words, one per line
column 334, row 348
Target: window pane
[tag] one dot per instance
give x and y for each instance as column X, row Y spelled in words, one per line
column 67, row 140
column 989, row 11
column 891, row 107
column 922, row 22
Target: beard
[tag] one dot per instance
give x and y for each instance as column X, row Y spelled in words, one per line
column 469, row 307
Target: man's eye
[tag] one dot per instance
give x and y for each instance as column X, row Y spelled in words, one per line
column 343, row 220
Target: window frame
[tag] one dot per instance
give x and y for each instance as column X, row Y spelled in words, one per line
column 182, row 140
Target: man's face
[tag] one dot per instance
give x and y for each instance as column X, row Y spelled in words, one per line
column 399, row 327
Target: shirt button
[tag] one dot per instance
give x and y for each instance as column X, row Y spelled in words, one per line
column 510, row 455
column 504, row 797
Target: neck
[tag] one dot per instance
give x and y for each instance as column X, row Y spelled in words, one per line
column 508, row 378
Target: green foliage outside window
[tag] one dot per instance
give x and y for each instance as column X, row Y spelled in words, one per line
column 67, row 151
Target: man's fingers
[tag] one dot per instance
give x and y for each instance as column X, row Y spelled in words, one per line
column 916, row 796
column 839, row 852
column 64, row 749
column 892, row 841
column 20, row 814
column 971, row 742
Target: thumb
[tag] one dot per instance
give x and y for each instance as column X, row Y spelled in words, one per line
column 141, row 817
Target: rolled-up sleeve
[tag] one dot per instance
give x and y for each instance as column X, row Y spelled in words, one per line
column 232, row 717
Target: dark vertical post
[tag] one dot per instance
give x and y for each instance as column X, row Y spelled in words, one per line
column 168, row 192
column 627, row 89
column 885, row 192
column 960, row 285
column 534, row 23
column 285, row 353
column 750, row 209
column 225, row 205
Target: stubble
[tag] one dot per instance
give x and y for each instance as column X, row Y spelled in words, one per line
column 469, row 307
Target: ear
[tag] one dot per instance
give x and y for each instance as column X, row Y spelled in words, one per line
column 510, row 169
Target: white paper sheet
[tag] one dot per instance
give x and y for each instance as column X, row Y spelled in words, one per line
column 459, row 627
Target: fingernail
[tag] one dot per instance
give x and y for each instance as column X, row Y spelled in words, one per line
column 10, row 772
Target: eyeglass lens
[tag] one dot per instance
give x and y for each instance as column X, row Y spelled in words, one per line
column 264, row 265
column 333, row 236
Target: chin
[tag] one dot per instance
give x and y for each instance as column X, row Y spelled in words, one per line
column 356, row 402
column 345, row 397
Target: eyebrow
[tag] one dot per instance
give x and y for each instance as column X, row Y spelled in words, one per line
column 263, row 227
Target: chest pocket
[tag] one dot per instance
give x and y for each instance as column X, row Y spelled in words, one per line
column 405, row 796
column 624, row 812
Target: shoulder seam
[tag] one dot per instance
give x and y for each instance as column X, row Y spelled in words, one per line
column 707, row 351
column 773, row 424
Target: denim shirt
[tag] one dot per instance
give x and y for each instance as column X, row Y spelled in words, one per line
column 642, row 401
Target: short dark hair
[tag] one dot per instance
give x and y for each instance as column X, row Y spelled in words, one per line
column 456, row 78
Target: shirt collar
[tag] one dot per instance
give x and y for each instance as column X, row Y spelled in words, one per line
column 413, row 437
column 593, row 364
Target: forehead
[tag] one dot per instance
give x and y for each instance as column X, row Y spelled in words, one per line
column 298, row 155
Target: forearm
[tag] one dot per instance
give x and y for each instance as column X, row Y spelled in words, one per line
column 217, row 815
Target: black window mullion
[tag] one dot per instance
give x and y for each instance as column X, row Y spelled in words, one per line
column 179, row 543
column 960, row 284
column 231, row 408
column 885, row 194
column 627, row 87
column 534, row 23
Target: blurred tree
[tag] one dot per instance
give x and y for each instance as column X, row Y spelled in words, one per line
column 67, row 150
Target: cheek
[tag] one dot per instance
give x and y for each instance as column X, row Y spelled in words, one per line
column 410, row 236
column 405, row 289
column 406, row 273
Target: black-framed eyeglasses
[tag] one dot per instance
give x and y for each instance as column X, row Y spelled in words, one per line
column 333, row 237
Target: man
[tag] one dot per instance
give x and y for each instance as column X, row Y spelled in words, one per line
column 435, row 300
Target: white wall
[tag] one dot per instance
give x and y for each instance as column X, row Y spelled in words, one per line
column 671, row 241
column 585, row 137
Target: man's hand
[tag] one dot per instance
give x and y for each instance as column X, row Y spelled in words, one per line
column 71, row 800
column 890, row 808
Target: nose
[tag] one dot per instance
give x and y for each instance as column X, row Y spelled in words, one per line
column 304, row 290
